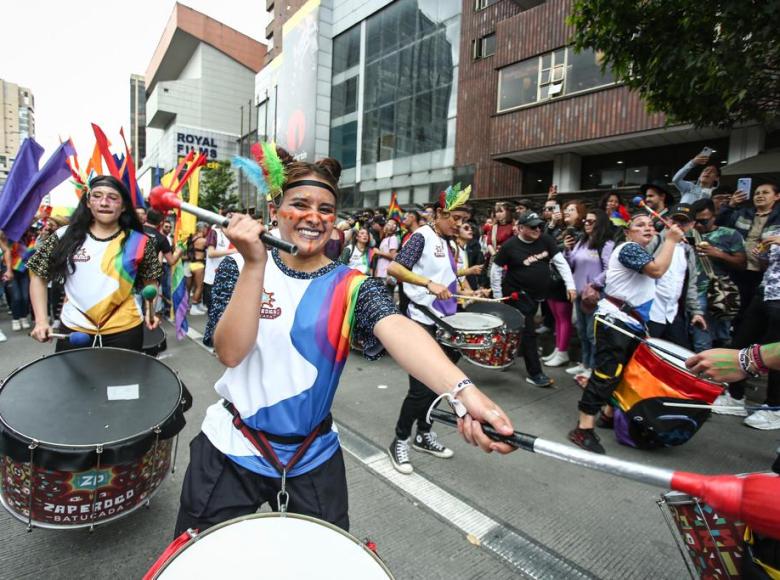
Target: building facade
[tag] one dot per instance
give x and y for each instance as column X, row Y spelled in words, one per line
column 18, row 122
column 533, row 112
column 373, row 83
column 198, row 80
column 138, row 118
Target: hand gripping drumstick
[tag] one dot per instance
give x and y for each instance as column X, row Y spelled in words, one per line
column 752, row 499
column 165, row 200
column 641, row 203
column 513, row 296
column 77, row 339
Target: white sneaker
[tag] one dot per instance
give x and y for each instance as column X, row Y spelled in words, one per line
column 3, row 337
column 575, row 370
column 197, row 310
column 16, row 324
column 560, row 359
column 764, row 419
column 547, row 357
column 25, row 323
column 729, row 405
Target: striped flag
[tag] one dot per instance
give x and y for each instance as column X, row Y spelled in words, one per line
column 394, row 210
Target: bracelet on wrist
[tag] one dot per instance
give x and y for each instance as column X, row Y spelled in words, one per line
column 758, row 361
column 745, row 363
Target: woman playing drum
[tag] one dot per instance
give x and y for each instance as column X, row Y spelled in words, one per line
column 629, row 292
column 101, row 256
column 282, row 327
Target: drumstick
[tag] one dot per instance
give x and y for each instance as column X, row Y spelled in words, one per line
column 641, row 203
column 165, row 200
column 479, row 298
column 676, row 355
column 724, row 407
column 74, row 338
column 751, row 498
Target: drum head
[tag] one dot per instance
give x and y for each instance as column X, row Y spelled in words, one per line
column 671, row 347
column 153, row 338
column 90, row 396
column 471, row 321
column 271, row 546
column 511, row 316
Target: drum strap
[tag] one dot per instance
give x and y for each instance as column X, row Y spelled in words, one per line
column 626, row 307
column 261, row 441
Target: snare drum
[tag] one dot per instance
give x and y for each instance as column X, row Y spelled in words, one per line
column 652, row 378
column 86, row 435
column 470, row 331
column 711, row 545
column 154, row 341
column 268, row 545
column 505, row 341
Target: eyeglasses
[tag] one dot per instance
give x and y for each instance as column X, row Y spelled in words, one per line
column 588, row 222
column 536, row 227
column 466, row 228
column 703, row 222
column 549, row 208
column 99, row 195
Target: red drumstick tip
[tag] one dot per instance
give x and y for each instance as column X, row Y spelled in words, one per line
column 514, row 296
column 163, row 199
column 751, row 499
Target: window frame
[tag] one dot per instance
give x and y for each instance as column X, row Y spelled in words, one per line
column 478, row 47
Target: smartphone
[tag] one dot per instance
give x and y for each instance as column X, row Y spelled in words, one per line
column 557, row 208
column 745, row 184
column 706, row 152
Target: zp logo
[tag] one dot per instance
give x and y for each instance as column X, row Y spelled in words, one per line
column 89, row 480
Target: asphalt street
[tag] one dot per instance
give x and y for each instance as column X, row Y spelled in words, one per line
column 472, row 516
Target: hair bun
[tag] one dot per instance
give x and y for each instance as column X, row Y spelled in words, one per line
column 332, row 166
column 284, row 155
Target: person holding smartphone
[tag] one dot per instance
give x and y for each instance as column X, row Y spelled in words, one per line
column 708, row 178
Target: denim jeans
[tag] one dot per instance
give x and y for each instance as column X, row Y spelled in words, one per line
column 717, row 330
column 586, row 332
column 19, row 289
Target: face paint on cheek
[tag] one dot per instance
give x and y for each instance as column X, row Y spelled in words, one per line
column 287, row 214
column 331, row 218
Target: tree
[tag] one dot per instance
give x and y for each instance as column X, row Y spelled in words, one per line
column 706, row 63
column 218, row 185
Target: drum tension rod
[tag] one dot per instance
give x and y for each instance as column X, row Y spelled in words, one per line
column 99, row 453
column 31, row 479
column 153, row 473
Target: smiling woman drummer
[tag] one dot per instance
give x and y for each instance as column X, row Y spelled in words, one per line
column 102, row 256
column 282, row 326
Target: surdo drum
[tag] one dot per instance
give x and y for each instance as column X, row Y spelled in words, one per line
column 271, row 545
column 86, row 435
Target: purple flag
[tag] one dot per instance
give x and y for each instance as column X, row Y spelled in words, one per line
column 16, row 221
column 22, row 171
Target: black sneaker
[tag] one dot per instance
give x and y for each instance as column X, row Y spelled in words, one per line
column 429, row 443
column 587, row 440
column 540, row 380
column 605, row 422
column 399, row 456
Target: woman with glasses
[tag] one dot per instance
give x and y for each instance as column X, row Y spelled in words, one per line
column 467, row 272
column 588, row 258
column 102, row 256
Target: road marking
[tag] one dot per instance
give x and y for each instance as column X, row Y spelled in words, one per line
column 197, row 338
column 529, row 558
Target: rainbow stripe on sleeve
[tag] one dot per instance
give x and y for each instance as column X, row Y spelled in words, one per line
column 20, row 254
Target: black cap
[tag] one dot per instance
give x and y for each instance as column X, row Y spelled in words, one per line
column 659, row 185
column 530, row 219
column 681, row 210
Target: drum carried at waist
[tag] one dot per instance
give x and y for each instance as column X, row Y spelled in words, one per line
column 154, row 341
column 488, row 334
column 652, row 378
column 269, row 543
column 86, row 435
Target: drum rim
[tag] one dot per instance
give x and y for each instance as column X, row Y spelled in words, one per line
column 269, row 515
column 665, row 358
column 49, row 444
column 498, row 326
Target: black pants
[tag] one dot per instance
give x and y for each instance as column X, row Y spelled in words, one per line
column 675, row 331
column 132, row 339
column 216, row 489
column 760, row 324
column 613, row 351
column 747, row 282
column 419, row 399
column 528, row 347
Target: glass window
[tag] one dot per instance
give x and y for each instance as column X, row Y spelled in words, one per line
column 386, row 132
column 370, row 136
column 388, row 79
column 407, row 21
column 518, row 84
column 390, row 17
column 343, row 144
column 480, row 4
column 344, row 98
column 584, row 72
column 346, row 50
column 404, row 128
column 488, row 45
column 406, row 72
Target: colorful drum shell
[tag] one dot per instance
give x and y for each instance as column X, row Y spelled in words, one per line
column 270, row 542
column 505, row 343
column 712, row 544
column 650, row 379
column 471, row 331
column 86, row 443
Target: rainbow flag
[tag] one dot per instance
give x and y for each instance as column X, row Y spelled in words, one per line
column 180, row 303
column 126, row 261
column 20, row 253
column 394, row 210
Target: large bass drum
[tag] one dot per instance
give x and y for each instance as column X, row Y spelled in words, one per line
column 86, row 435
column 268, row 545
